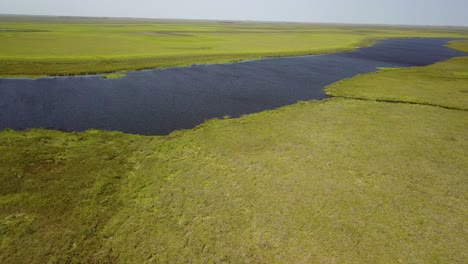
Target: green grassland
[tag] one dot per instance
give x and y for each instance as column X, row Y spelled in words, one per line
column 374, row 175
column 461, row 45
column 35, row 46
column 442, row 84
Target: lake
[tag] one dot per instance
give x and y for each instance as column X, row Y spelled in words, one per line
column 159, row 101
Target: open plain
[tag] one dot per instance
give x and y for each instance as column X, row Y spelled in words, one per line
column 377, row 173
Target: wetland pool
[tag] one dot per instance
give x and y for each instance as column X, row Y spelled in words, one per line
column 159, row 101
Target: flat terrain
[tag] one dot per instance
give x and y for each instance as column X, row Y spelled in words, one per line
column 442, row 84
column 37, row 46
column 378, row 179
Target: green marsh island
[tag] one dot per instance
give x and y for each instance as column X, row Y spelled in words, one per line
column 377, row 173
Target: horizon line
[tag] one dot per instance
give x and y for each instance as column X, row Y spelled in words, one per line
column 237, row 20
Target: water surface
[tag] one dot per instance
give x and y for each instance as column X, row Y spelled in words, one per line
column 159, row 101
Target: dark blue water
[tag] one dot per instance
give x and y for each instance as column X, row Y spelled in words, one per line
column 157, row 102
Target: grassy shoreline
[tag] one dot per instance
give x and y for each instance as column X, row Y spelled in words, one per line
column 441, row 84
column 75, row 68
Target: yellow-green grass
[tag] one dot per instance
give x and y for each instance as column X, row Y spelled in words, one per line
column 461, row 45
column 58, row 46
column 443, row 84
column 386, row 68
column 333, row 181
column 114, row 75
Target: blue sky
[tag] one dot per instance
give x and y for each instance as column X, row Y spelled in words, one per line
column 408, row 12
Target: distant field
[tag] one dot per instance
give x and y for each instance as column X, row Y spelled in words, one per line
column 461, row 45
column 35, row 46
column 442, row 84
column 343, row 180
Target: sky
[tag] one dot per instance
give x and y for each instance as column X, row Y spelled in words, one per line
column 405, row 12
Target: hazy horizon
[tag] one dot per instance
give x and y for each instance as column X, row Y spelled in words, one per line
column 397, row 12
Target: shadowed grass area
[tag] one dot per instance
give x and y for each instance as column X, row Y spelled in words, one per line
column 443, row 84
column 37, row 46
column 333, row 181
column 58, row 189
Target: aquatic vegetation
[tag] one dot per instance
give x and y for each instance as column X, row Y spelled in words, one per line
column 114, row 75
column 386, row 68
